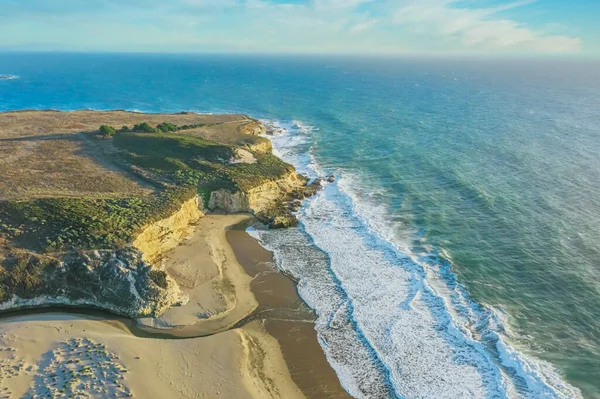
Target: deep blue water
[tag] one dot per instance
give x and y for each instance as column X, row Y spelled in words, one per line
column 458, row 253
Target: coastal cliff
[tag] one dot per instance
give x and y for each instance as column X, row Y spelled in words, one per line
column 118, row 281
column 159, row 237
column 272, row 202
column 75, row 242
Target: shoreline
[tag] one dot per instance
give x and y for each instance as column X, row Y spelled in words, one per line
column 271, row 347
column 286, row 317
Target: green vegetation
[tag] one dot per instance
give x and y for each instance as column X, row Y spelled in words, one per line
column 192, row 161
column 165, row 127
column 60, row 224
column 181, row 165
column 144, row 128
column 159, row 277
column 20, row 274
column 106, row 130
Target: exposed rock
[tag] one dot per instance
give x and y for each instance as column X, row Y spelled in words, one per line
column 230, row 202
column 243, row 156
column 119, row 281
column 273, row 129
column 295, row 205
column 330, row 179
column 273, row 202
column 254, row 127
column 282, row 222
column 161, row 236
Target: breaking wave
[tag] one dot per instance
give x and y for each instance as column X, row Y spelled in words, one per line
column 393, row 323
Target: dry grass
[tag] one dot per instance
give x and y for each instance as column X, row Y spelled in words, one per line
column 45, row 154
column 37, row 167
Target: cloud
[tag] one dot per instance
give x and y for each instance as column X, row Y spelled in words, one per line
column 363, row 26
column 316, row 26
column 479, row 28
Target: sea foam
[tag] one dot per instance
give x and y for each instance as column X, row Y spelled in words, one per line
column 394, row 323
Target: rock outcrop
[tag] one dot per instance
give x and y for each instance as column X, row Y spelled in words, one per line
column 159, row 237
column 119, row 281
column 273, row 202
column 253, row 127
column 129, row 281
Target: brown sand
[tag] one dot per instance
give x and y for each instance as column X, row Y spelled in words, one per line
column 287, row 318
column 274, row 354
column 206, row 269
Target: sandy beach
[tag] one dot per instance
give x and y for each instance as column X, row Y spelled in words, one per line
column 244, row 333
column 58, row 355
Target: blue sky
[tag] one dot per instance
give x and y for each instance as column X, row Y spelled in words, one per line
column 303, row 26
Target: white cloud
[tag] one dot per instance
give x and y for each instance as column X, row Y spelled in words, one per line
column 363, row 26
column 321, row 26
column 479, row 28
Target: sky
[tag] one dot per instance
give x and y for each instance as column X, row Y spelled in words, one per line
column 303, row 26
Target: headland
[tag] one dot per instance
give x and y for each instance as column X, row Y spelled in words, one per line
column 143, row 216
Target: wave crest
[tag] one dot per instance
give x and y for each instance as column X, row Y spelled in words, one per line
column 393, row 322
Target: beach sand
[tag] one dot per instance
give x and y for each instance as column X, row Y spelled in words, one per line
column 206, row 270
column 271, row 351
column 287, row 318
column 59, row 355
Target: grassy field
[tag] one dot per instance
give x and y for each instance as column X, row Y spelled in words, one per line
column 63, row 188
column 48, row 154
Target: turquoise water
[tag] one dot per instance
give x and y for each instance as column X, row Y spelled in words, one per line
column 457, row 254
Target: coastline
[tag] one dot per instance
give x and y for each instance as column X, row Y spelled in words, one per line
column 285, row 316
column 271, row 352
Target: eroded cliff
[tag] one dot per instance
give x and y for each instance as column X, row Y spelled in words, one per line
column 272, row 202
column 118, row 281
column 97, row 249
column 159, row 237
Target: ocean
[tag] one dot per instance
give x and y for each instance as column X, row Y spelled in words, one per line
column 457, row 254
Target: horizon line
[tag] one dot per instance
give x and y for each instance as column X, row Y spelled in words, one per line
column 577, row 55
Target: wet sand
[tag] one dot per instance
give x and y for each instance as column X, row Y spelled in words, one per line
column 287, row 318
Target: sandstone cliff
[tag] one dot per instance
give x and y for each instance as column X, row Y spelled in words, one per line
column 78, row 236
column 272, row 202
column 159, row 237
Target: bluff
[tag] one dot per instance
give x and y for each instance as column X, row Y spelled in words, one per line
column 99, row 245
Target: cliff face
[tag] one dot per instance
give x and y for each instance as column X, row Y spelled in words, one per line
column 261, row 146
column 272, row 202
column 69, row 229
column 119, row 281
column 255, row 200
column 253, row 127
column 161, row 236
column 123, row 281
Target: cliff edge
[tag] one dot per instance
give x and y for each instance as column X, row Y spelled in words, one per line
column 85, row 226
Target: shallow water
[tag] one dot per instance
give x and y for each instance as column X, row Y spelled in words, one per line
column 457, row 253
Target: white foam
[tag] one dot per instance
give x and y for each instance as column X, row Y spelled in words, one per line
column 393, row 323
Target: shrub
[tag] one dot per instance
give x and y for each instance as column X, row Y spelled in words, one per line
column 167, row 127
column 124, row 129
column 144, row 128
column 159, row 277
column 106, row 130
